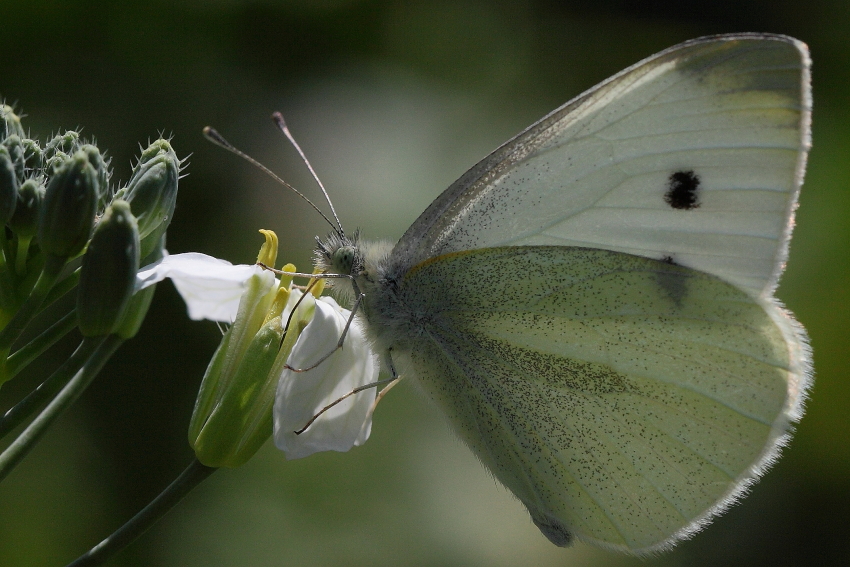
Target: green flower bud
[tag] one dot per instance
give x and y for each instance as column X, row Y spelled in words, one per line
column 8, row 186
column 33, row 157
column 152, row 191
column 108, row 273
column 67, row 143
column 54, row 163
column 24, row 223
column 67, row 215
column 16, row 151
column 9, row 122
column 101, row 165
column 232, row 433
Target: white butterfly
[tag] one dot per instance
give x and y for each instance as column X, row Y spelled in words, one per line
column 592, row 304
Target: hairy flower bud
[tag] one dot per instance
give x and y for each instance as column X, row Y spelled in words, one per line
column 24, row 223
column 152, row 191
column 67, row 143
column 8, row 186
column 67, row 215
column 33, row 157
column 10, row 123
column 15, row 147
column 101, row 166
column 54, row 163
column 108, row 273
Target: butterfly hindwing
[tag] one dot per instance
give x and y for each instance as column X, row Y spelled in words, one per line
column 622, row 399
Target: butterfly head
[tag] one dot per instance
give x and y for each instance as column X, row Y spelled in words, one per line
column 339, row 254
column 343, row 259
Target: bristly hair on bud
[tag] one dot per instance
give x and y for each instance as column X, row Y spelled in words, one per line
column 101, row 163
column 152, row 191
column 66, row 143
column 9, row 185
column 10, row 123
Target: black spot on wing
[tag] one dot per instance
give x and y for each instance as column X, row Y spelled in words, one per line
column 683, row 190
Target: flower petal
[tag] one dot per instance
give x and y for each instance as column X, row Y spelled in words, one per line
column 210, row 287
column 301, row 395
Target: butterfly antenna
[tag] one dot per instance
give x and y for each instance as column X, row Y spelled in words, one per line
column 281, row 124
column 213, row 136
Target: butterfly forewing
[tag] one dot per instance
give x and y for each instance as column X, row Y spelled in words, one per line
column 622, row 399
column 694, row 155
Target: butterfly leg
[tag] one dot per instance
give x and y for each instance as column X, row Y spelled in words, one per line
column 378, row 398
column 390, row 382
column 315, row 278
column 338, row 344
column 388, row 362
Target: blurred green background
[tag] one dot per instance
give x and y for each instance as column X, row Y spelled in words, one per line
column 392, row 101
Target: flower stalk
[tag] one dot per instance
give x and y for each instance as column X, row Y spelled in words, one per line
column 191, row 477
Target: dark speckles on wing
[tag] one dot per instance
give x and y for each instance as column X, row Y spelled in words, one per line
column 556, row 372
column 683, row 190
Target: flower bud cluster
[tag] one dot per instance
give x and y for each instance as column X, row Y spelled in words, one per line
column 65, row 227
column 65, row 223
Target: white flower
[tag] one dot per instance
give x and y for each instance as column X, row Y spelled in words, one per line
column 301, row 395
column 212, row 289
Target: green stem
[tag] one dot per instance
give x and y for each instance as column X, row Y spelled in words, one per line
column 62, row 287
column 67, row 396
column 194, row 474
column 8, row 301
column 47, row 389
column 33, row 349
column 48, row 276
column 35, row 264
column 22, row 254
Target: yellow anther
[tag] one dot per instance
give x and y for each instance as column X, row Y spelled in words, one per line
column 286, row 281
column 282, row 296
column 278, row 305
column 319, row 286
column 268, row 252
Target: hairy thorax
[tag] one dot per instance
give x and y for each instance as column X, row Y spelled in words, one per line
column 388, row 320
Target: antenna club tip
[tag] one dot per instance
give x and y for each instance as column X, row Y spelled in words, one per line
column 278, row 118
column 212, row 135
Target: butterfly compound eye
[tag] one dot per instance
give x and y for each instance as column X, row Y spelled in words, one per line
column 343, row 259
